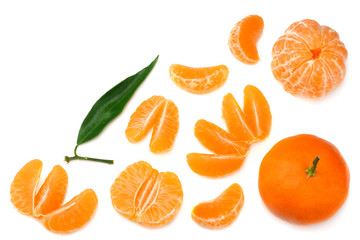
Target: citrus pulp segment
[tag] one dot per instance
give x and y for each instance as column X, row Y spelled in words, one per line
column 72, row 215
column 213, row 165
column 52, row 192
column 198, row 80
column 218, row 140
column 23, row 187
column 221, row 211
column 244, row 38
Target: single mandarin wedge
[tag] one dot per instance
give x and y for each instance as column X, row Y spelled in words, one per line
column 235, row 119
column 254, row 123
column 165, row 128
column 309, row 59
column 218, row 140
column 160, row 114
column 221, row 211
column 23, row 187
column 52, row 193
column 244, row 38
column 257, row 112
column 198, row 80
column 213, row 165
column 143, row 119
column 72, row 215
column 144, row 195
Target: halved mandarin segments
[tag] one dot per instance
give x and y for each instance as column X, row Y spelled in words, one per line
column 221, row 211
column 235, row 119
column 160, row 114
column 51, row 195
column 142, row 194
column 142, row 120
column 218, row 140
column 244, row 38
column 23, row 187
column 165, row 128
column 309, row 59
column 213, row 165
column 257, row 112
column 198, row 80
column 73, row 215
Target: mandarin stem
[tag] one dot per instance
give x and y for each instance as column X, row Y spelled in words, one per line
column 77, row 157
column 311, row 170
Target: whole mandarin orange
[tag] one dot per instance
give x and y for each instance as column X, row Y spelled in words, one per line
column 304, row 179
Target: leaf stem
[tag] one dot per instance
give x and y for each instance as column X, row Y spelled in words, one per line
column 77, row 157
column 311, row 170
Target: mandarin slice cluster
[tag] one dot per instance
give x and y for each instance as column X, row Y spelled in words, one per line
column 246, row 126
column 309, row 59
column 146, row 196
column 46, row 203
column 160, row 114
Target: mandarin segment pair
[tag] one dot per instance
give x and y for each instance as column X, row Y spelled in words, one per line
column 160, row 114
column 309, row 59
column 146, row 196
column 46, row 203
column 246, row 126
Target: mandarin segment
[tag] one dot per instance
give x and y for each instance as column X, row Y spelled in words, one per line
column 198, row 80
column 23, row 187
column 218, row 140
column 166, row 203
column 244, row 38
column 257, row 112
column 52, row 192
column 309, row 59
column 144, row 195
column 221, row 211
column 165, row 128
column 213, row 165
column 142, row 120
column 235, row 119
column 73, row 215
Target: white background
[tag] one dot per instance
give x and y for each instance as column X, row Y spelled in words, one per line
column 58, row 57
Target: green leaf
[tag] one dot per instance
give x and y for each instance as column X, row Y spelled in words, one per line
column 111, row 104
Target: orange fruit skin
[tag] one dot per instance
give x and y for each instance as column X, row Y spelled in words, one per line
column 213, row 165
column 52, row 192
column 142, row 194
column 244, row 37
column 72, row 215
column 285, row 188
column 221, row 211
column 218, row 140
column 23, row 187
column 198, row 80
column 309, row 59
